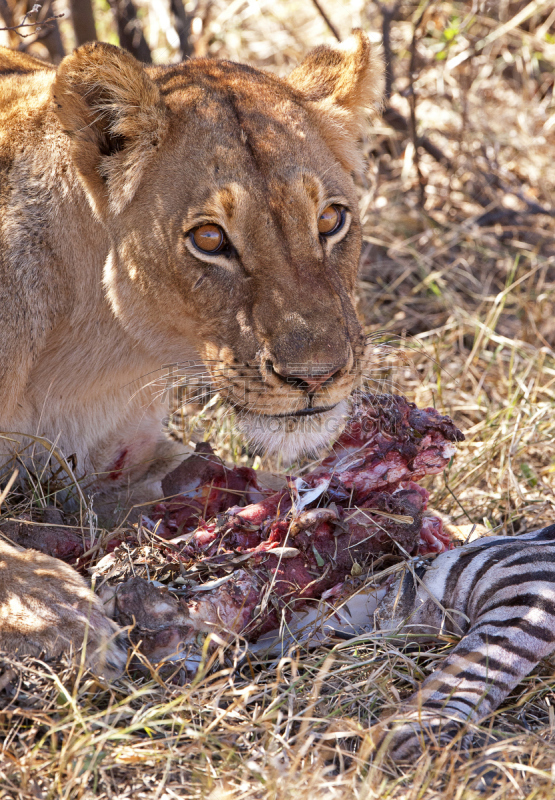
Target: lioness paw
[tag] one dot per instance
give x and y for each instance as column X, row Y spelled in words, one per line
column 47, row 609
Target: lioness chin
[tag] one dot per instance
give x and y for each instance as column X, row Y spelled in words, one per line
column 198, row 213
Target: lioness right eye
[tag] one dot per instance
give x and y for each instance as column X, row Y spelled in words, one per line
column 208, row 239
column 331, row 220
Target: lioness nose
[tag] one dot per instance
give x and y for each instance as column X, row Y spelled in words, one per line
column 306, row 377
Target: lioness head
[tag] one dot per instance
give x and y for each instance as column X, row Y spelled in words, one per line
column 229, row 199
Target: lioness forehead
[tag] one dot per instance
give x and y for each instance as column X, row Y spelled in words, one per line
column 234, row 101
column 218, row 79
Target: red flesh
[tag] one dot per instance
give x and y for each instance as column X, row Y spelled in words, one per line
column 387, row 445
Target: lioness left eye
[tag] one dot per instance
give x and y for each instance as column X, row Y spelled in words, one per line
column 209, row 239
column 331, row 220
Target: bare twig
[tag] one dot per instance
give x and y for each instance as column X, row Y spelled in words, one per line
column 38, row 26
column 327, row 20
column 412, row 102
column 393, row 117
column 388, row 16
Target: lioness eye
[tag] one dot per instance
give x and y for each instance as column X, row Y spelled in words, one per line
column 208, row 238
column 331, row 220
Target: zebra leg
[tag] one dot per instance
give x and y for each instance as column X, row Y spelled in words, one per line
column 480, row 672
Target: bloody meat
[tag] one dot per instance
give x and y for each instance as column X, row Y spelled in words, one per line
column 251, row 564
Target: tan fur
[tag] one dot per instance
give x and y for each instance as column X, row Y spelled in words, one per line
column 46, row 609
column 105, row 167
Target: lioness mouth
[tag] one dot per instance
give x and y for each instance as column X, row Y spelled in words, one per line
column 303, row 412
column 295, row 433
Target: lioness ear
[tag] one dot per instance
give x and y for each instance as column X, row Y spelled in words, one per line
column 115, row 117
column 340, row 83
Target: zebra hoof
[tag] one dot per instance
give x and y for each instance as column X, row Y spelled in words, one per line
column 404, row 738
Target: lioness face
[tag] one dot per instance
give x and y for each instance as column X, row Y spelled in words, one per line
column 242, row 241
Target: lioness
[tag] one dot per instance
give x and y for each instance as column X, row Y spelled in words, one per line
column 201, row 212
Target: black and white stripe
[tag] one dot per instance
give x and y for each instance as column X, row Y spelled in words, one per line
column 499, row 595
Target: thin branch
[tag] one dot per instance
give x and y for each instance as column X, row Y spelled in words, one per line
column 38, row 26
column 412, row 101
column 390, row 115
column 388, row 16
column 399, row 123
column 327, row 20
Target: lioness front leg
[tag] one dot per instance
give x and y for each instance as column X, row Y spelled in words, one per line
column 130, row 464
column 46, row 609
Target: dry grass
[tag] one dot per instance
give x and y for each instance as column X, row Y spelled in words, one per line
column 469, row 301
